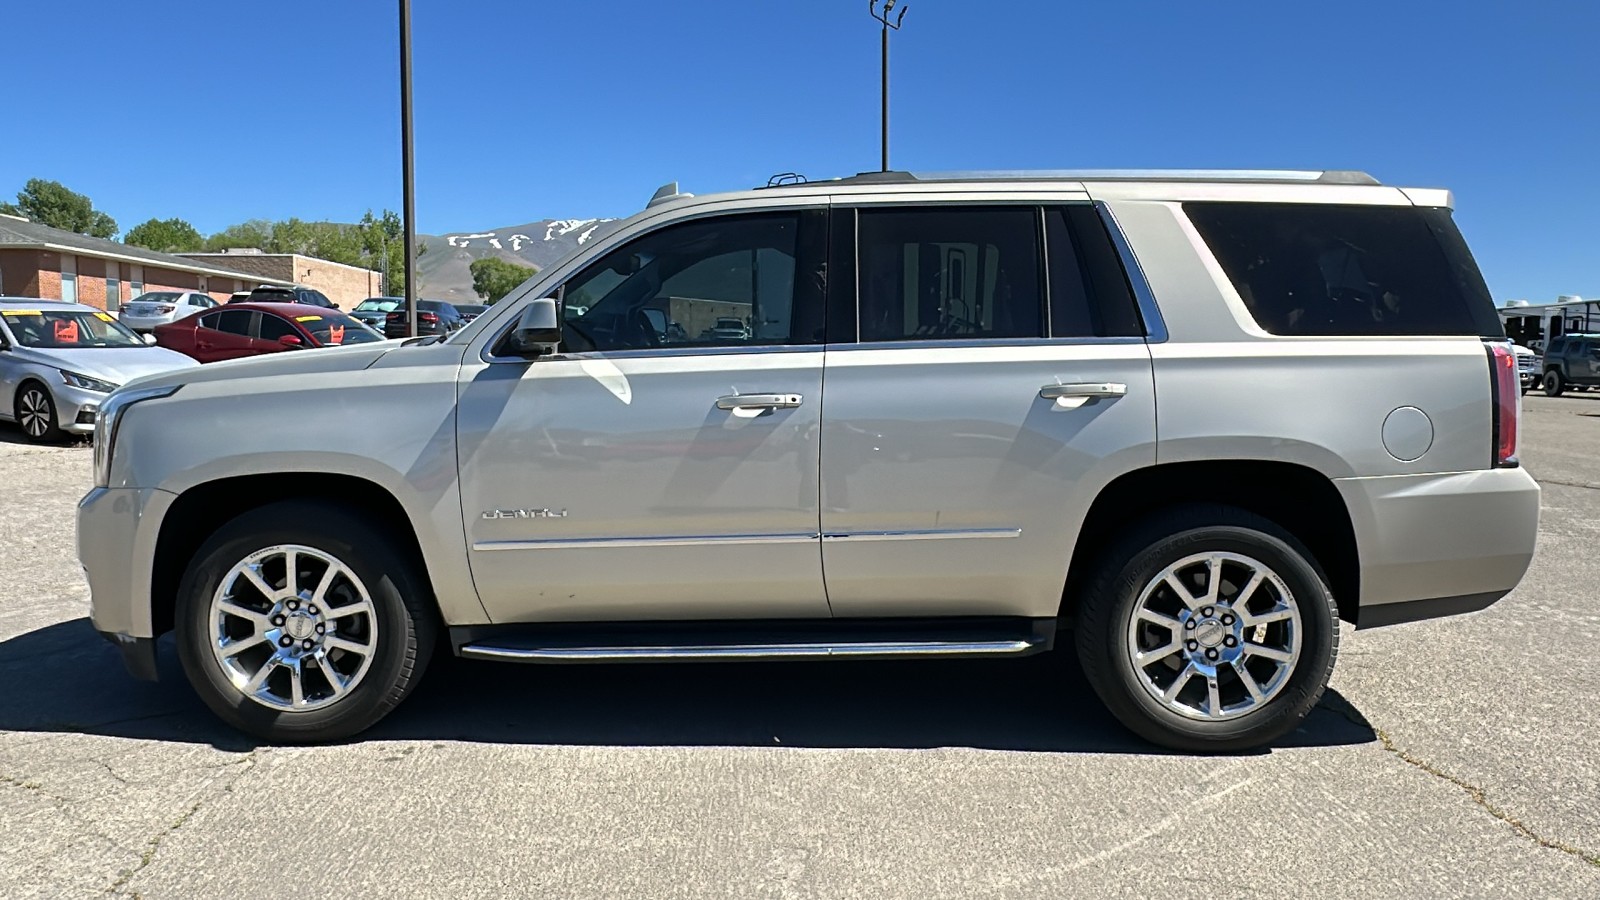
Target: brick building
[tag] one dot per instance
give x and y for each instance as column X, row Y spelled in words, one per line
column 51, row 264
column 344, row 285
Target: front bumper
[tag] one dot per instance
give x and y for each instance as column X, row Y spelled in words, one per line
column 76, row 408
column 1440, row 544
column 117, row 531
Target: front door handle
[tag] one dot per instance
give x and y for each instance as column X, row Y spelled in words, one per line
column 1084, row 390
column 753, row 404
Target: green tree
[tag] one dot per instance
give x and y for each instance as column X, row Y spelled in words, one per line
column 494, row 278
column 376, row 242
column 165, row 236
column 254, row 233
column 52, row 203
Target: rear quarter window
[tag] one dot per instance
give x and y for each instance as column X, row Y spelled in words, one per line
column 1334, row 270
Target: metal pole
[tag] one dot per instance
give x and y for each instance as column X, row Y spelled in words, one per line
column 408, row 176
column 885, row 17
column 885, row 96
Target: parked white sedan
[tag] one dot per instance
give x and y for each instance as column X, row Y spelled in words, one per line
column 148, row 310
column 58, row 361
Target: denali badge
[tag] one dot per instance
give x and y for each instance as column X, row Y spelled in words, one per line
column 524, row 514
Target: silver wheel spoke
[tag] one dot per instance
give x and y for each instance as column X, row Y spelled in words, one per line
column 1149, row 656
column 260, row 678
column 243, row 612
column 253, row 575
column 297, row 690
column 1165, row 621
column 234, row 648
column 334, row 642
column 1213, row 697
column 291, row 575
column 1182, row 590
column 334, row 679
column 1213, row 580
column 1240, row 603
column 1177, row 684
column 1271, row 653
column 323, row 585
column 339, row 612
column 1280, row 614
column 1248, row 680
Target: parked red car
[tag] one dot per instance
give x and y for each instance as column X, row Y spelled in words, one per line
column 248, row 329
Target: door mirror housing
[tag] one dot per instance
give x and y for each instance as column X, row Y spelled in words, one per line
column 148, row 338
column 538, row 331
column 291, row 342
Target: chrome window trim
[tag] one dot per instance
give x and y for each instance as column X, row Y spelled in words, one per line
column 957, row 343
column 658, row 352
column 1155, row 327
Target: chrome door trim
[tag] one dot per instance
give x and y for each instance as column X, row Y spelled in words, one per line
column 655, row 541
column 662, row 352
column 733, row 652
column 966, row 344
column 1155, row 327
column 923, row 535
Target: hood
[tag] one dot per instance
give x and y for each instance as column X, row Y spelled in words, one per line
column 118, row 365
column 293, row 362
column 1520, row 350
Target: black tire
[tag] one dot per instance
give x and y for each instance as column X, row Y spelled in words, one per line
column 1554, row 384
column 406, row 620
column 1110, row 602
column 26, row 407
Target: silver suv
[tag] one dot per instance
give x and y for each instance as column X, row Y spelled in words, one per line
column 1192, row 419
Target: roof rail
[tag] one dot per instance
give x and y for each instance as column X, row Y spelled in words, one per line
column 1286, row 176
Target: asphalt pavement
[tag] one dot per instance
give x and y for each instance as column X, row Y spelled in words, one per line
column 1450, row 758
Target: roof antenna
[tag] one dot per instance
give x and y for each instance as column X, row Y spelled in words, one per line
column 668, row 191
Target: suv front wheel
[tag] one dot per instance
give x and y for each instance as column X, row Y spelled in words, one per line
column 1208, row 629
column 298, row 622
column 1554, row 384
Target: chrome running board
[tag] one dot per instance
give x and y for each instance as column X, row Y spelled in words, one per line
column 750, row 652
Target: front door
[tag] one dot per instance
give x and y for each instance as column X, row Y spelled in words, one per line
column 658, row 467
column 984, row 402
column 225, row 334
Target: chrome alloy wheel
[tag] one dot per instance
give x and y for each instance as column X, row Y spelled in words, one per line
column 1215, row 636
column 293, row 628
column 33, row 412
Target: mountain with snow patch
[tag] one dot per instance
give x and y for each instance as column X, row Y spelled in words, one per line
column 443, row 268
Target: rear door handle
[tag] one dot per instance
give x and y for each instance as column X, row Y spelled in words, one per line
column 752, row 404
column 1084, row 390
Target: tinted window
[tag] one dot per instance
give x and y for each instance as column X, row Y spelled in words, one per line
column 273, row 327
column 1089, row 294
column 718, row 282
column 155, row 297
column 942, row 273
column 334, row 328
column 233, row 321
column 1556, row 346
column 1316, row 269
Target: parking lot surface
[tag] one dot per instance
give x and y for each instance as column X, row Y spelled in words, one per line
column 1450, row 758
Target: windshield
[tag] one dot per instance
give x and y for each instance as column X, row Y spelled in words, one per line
column 67, row 329
column 378, row 304
column 335, row 329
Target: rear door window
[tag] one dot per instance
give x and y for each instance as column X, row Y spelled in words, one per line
column 230, row 321
column 949, row 273
column 1332, row 270
column 1089, row 294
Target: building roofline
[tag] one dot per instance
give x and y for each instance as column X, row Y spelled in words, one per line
column 329, row 262
column 177, row 263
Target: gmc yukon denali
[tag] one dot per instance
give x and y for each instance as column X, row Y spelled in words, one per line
column 1186, row 421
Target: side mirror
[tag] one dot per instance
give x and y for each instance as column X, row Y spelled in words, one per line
column 290, row 342
column 148, row 338
column 538, row 331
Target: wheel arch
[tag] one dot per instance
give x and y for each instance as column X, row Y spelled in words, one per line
column 201, row 509
column 1299, row 499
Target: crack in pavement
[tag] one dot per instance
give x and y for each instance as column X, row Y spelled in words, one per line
column 1571, row 484
column 1479, row 796
column 153, row 846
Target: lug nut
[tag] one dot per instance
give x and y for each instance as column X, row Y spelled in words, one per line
column 312, row 610
column 1226, row 619
column 1193, row 645
column 308, row 644
column 321, row 628
column 278, row 621
column 1205, row 613
column 294, row 604
column 1212, row 653
column 1231, row 641
column 1189, row 625
column 285, row 641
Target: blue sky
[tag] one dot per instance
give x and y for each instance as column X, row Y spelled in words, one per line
column 220, row 112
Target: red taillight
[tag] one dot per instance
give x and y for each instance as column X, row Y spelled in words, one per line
column 165, row 309
column 1507, row 386
column 428, row 317
column 394, row 317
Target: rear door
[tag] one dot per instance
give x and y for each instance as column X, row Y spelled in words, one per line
column 225, row 334
column 996, row 379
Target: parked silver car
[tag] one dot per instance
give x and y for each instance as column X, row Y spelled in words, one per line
column 58, row 361
column 146, row 311
column 1195, row 418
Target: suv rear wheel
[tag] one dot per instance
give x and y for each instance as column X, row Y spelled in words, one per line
column 1208, row 629
column 297, row 622
column 1554, row 384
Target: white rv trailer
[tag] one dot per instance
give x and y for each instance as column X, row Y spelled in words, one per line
column 1532, row 325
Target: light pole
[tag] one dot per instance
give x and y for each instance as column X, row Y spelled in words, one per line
column 408, row 174
column 888, row 6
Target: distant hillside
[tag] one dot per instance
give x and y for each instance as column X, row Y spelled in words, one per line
column 442, row 270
